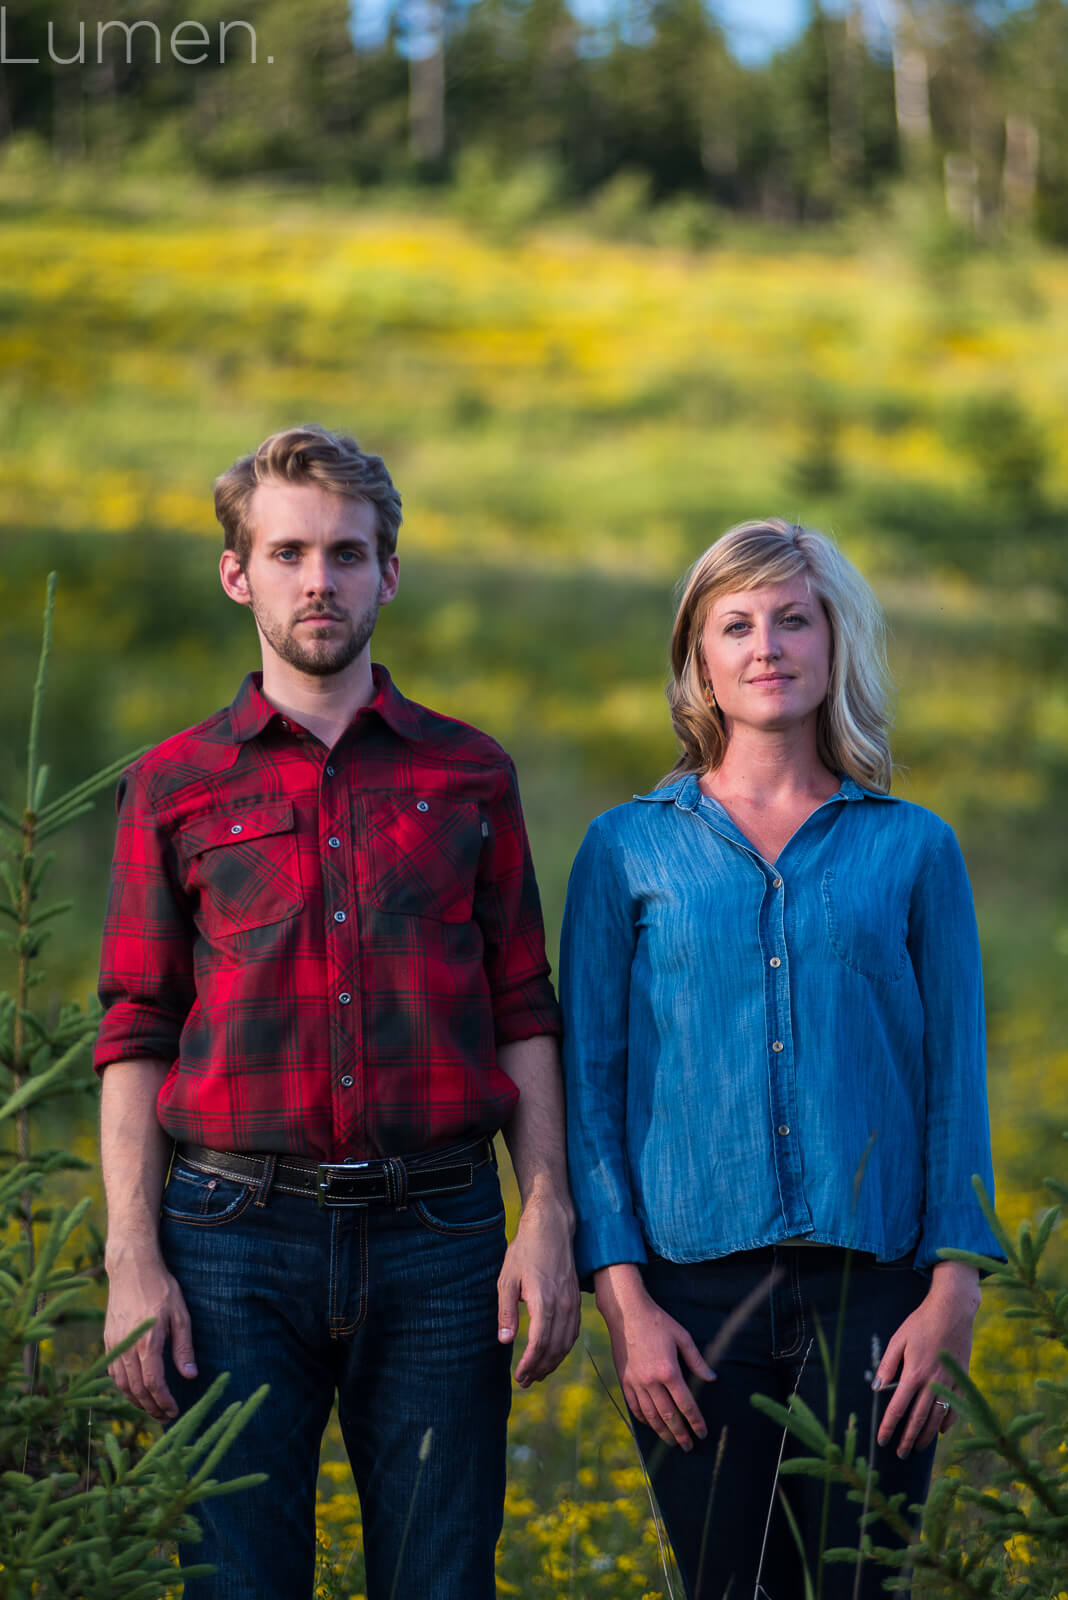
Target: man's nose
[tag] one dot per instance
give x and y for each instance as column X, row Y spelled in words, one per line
column 318, row 574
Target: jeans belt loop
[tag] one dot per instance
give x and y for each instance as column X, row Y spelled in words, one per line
column 397, row 1178
column 266, row 1183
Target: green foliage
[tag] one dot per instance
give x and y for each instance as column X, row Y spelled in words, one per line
column 1006, row 447
column 39, row 1052
column 87, row 1504
column 996, row 1522
column 331, row 95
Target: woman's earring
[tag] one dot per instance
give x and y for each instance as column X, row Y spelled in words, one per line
column 710, row 696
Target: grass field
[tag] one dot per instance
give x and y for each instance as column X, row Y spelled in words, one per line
column 570, row 422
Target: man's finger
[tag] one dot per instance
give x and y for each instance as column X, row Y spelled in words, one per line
column 507, row 1309
column 182, row 1344
column 535, row 1361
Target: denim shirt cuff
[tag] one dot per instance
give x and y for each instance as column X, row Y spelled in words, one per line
column 955, row 1228
column 609, row 1239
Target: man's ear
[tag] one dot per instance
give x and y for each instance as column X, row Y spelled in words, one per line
column 390, row 577
column 233, row 578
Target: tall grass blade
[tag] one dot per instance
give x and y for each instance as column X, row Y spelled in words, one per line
column 425, row 1447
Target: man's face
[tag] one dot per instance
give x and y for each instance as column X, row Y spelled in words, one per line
column 312, row 579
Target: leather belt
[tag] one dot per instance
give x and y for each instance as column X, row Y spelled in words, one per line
column 387, row 1180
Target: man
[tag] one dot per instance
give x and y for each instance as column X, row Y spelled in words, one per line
column 326, row 989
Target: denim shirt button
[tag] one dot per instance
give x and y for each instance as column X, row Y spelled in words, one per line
column 776, row 883
column 777, row 1044
column 784, row 1128
column 774, row 962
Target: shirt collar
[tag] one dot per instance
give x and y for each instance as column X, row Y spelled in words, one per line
column 685, row 792
column 251, row 711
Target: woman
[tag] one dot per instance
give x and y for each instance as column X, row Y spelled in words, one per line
column 774, row 1048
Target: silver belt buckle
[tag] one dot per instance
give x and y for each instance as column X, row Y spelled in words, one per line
column 326, row 1170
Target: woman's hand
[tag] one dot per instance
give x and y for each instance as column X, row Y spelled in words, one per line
column 646, row 1347
column 943, row 1321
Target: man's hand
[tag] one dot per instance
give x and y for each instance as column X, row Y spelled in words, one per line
column 142, row 1288
column 646, row 1347
column 943, row 1321
column 540, row 1270
column 134, row 1153
column 539, row 1266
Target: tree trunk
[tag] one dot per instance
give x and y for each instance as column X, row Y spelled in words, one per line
column 1019, row 176
column 426, row 83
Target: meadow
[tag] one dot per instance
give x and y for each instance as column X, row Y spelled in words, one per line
column 570, row 421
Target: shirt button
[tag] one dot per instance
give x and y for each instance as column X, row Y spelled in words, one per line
column 333, row 843
column 236, row 828
column 777, row 884
column 777, row 1045
column 339, row 916
column 784, row 1127
column 344, row 998
column 346, row 1083
column 421, row 805
column 774, row 962
column 330, row 772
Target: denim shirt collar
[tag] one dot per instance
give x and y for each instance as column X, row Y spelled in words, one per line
column 685, row 792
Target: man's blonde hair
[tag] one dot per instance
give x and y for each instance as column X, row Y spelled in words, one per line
column 309, row 454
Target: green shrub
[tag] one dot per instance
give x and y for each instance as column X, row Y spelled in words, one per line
column 996, row 1521
column 87, row 1503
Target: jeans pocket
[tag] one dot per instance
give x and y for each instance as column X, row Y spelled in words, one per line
column 202, row 1201
column 899, row 1263
column 479, row 1209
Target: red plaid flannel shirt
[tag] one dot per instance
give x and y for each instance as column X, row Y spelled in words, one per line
column 327, row 947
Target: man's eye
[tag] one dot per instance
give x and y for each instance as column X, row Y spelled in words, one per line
column 286, row 555
column 349, row 557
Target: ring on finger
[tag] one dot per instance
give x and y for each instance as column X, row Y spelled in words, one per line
column 943, row 1403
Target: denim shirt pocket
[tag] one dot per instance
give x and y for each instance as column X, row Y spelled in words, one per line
column 244, row 865
column 868, row 933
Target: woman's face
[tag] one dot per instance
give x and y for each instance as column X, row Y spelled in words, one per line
column 767, row 654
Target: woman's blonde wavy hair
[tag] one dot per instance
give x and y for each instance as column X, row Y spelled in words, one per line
column 853, row 720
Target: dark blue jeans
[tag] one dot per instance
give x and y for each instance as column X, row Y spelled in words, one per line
column 717, row 1517
column 395, row 1312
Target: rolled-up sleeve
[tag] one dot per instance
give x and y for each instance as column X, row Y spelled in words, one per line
column 944, row 947
column 508, row 911
column 146, row 965
column 596, row 954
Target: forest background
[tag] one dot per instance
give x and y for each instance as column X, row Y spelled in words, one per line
column 596, row 289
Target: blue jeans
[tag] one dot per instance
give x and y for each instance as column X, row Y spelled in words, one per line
column 716, row 1515
column 395, row 1312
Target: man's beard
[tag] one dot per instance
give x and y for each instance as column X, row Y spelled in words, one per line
column 320, row 658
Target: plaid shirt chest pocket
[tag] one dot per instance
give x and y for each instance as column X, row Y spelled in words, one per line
column 242, row 865
column 423, row 854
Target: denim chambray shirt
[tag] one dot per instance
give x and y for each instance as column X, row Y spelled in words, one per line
column 757, row 1053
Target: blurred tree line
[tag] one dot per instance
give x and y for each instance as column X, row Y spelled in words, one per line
column 968, row 95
